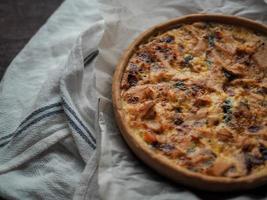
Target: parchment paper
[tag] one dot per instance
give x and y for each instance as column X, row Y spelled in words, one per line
column 121, row 175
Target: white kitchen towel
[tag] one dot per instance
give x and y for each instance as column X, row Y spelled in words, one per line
column 57, row 141
column 45, row 138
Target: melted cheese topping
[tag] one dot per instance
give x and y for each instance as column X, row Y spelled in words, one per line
column 197, row 95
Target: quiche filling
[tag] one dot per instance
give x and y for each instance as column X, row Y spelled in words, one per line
column 196, row 95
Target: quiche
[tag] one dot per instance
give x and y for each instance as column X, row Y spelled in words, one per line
column 190, row 95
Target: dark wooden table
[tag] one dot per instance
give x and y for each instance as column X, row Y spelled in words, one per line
column 19, row 21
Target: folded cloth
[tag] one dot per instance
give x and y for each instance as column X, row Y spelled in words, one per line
column 46, row 122
column 57, row 140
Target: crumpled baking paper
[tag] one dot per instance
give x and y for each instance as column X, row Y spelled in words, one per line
column 121, row 175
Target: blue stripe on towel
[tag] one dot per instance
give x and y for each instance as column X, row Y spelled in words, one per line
column 80, row 132
column 38, row 119
column 7, row 136
column 34, row 113
column 3, row 144
column 65, row 104
column 39, row 111
column 55, row 112
column 21, row 128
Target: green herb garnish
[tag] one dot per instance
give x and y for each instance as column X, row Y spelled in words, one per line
column 227, row 109
column 211, row 39
column 187, row 60
column 180, row 85
column 208, row 63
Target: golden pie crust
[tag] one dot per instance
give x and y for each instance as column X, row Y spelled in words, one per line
column 189, row 97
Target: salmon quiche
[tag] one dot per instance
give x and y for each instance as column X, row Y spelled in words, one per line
column 193, row 96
